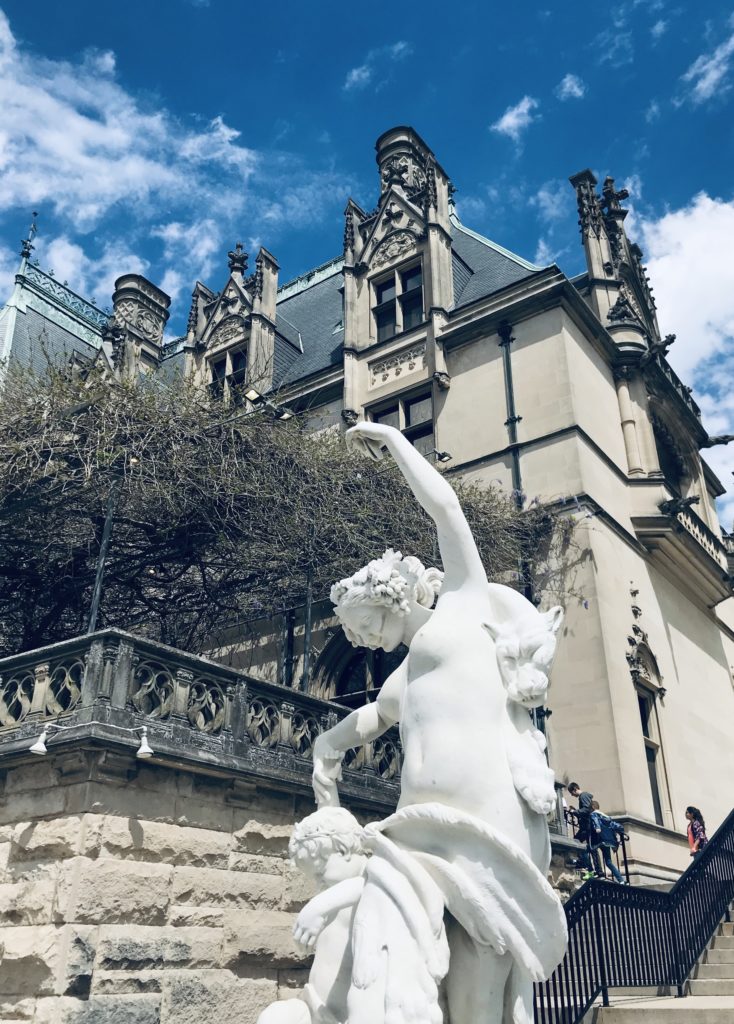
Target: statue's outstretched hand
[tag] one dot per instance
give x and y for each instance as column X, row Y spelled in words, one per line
column 327, row 769
column 369, row 438
column 308, row 927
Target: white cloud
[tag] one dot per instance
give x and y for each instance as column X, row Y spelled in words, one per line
column 92, row 278
column 552, row 201
column 470, row 207
column 707, row 76
column 74, row 140
column 570, row 87
column 689, row 262
column 544, row 253
column 92, row 157
column 517, row 119
column 658, row 29
column 653, row 111
column 362, row 75
column 9, row 261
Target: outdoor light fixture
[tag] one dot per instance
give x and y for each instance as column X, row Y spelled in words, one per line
column 144, row 750
column 441, row 456
column 39, row 747
column 277, row 411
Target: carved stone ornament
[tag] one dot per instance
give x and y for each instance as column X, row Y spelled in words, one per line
column 442, row 379
column 396, row 246
column 402, row 363
column 137, row 316
column 237, row 259
column 589, row 207
column 230, row 328
column 625, row 309
column 350, row 417
column 349, row 232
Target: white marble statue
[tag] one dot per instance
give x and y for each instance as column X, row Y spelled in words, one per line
column 328, row 848
column 455, row 918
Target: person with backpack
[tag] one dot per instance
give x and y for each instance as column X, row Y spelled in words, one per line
column 588, row 859
column 697, row 838
column 606, row 835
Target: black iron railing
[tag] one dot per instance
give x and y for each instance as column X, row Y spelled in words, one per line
column 630, row 937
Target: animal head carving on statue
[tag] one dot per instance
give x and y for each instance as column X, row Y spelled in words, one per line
column 525, row 643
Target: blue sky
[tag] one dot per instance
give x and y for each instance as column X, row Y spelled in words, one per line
column 151, row 136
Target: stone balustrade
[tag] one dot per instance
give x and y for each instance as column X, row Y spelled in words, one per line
column 705, row 536
column 101, row 687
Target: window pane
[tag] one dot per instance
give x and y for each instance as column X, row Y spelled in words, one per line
column 385, row 292
column 419, row 410
column 644, row 705
column 385, row 321
column 239, row 360
column 424, row 442
column 412, row 309
column 389, row 416
column 411, row 279
column 651, row 754
column 219, row 369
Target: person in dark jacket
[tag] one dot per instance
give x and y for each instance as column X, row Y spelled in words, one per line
column 588, row 858
column 606, row 835
column 697, row 838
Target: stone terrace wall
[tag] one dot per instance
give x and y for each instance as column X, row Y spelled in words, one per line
column 134, row 894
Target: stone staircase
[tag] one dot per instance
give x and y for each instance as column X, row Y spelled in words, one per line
column 711, row 988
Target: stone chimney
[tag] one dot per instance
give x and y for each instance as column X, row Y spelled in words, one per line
column 141, row 310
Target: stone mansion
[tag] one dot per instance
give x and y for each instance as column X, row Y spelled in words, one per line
column 559, row 388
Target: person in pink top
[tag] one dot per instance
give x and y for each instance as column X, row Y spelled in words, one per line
column 697, row 837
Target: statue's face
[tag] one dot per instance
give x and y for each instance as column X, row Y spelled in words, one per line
column 372, row 626
column 328, row 869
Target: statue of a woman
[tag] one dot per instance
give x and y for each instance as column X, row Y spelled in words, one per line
column 469, row 841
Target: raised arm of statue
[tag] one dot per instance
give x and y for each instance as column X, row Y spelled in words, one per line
column 462, row 564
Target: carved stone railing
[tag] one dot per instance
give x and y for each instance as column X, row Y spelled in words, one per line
column 706, row 537
column 196, row 711
column 672, row 378
column 65, row 296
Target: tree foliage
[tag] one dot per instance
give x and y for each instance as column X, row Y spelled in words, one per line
column 218, row 515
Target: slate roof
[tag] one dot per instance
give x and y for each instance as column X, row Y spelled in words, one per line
column 37, row 341
column 309, row 313
column 312, row 312
column 490, row 267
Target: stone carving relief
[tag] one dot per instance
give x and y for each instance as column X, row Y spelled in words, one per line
column 227, row 330
column 394, row 247
column 153, row 695
column 64, row 688
column 137, row 316
column 206, row 706
column 16, row 695
column 400, row 364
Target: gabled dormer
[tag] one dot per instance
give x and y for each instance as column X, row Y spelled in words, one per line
column 230, row 336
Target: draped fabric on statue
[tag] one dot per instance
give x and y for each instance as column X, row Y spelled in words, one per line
column 426, row 857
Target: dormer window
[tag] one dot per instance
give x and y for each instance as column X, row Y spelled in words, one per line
column 398, row 302
column 218, row 370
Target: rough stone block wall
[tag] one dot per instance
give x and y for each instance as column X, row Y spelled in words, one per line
column 153, row 899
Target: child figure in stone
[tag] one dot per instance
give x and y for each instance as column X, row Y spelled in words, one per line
column 327, row 847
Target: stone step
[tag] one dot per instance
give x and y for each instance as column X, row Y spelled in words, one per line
column 691, row 1010
column 723, row 942
column 712, row 987
column 711, row 970
column 720, row 955
column 726, row 928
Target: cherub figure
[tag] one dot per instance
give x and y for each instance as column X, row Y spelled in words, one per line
column 327, row 847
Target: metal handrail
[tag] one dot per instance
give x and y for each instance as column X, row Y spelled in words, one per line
column 631, row 937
